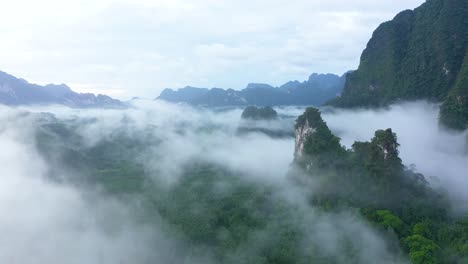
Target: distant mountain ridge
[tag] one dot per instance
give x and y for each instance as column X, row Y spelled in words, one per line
column 318, row 89
column 420, row 54
column 14, row 91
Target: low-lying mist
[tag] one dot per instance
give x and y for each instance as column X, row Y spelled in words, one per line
column 441, row 155
column 46, row 222
column 182, row 164
column 144, row 174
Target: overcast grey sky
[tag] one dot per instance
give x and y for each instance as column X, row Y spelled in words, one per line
column 127, row 48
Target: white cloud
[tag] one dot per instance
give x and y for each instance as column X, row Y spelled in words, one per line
column 42, row 217
column 112, row 43
column 434, row 151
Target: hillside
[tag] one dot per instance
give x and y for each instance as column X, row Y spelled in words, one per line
column 223, row 200
column 318, row 89
column 418, row 55
column 14, row 91
column 372, row 178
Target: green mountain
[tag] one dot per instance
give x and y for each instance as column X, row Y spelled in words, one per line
column 420, row 54
column 454, row 111
column 259, row 113
column 372, row 178
column 337, row 205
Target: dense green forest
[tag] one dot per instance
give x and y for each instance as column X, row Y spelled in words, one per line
column 372, row 178
column 378, row 174
column 230, row 217
column 259, row 113
column 420, row 54
column 454, row 111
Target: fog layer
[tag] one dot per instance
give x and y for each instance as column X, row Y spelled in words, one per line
column 440, row 154
column 50, row 221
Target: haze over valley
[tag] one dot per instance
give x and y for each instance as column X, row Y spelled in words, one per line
column 366, row 166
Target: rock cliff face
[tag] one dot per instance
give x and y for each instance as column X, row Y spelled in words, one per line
column 317, row 149
column 454, row 111
column 387, row 142
column 315, row 143
column 302, row 133
column 418, row 55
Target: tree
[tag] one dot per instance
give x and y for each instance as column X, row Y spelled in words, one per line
column 421, row 250
column 262, row 113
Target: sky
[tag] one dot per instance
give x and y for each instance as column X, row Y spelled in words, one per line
column 127, row 48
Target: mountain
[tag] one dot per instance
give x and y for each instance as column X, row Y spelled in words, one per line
column 318, row 89
column 14, row 91
column 259, row 113
column 420, row 54
column 371, row 178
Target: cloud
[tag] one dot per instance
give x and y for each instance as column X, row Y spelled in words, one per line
column 434, row 151
column 46, row 220
column 257, row 41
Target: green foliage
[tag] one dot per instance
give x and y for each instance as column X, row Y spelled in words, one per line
column 423, row 229
column 311, row 117
column 371, row 177
column 421, row 249
column 389, row 220
column 370, row 174
column 454, row 111
column 226, row 215
column 321, row 147
column 454, row 236
column 259, row 113
column 214, row 209
column 417, row 55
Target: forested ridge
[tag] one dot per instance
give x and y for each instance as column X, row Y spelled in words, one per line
column 420, row 54
column 370, row 167
column 232, row 218
column 372, row 178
